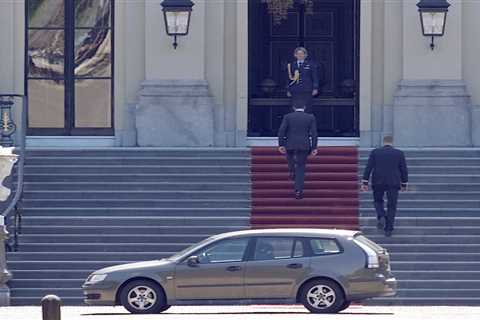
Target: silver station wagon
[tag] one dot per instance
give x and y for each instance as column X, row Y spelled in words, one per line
column 325, row 270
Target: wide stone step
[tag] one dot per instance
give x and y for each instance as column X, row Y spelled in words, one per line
column 427, row 220
column 141, row 161
column 139, row 152
column 135, row 221
column 440, row 177
column 435, row 265
column 155, row 238
column 87, row 256
column 426, row 239
column 134, row 169
column 439, row 284
column 431, row 152
column 71, row 265
column 50, row 274
column 146, row 211
column 437, row 275
column 436, row 203
column 99, row 185
column 447, row 161
column 431, row 248
column 445, row 186
column 41, row 292
column 134, row 177
column 442, row 169
column 20, row 301
column 430, row 195
column 443, row 231
column 99, row 230
column 166, row 204
column 137, row 194
column 127, row 245
column 445, row 293
column 46, row 283
column 435, row 256
column 433, row 212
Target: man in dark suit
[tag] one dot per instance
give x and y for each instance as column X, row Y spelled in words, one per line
column 303, row 81
column 297, row 138
column 389, row 175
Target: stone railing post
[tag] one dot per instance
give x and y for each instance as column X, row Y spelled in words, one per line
column 7, row 160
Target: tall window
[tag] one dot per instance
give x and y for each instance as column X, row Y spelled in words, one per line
column 69, row 69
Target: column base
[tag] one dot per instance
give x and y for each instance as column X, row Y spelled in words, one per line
column 175, row 113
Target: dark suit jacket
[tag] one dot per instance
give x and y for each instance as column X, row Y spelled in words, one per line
column 388, row 166
column 298, row 131
column 308, row 77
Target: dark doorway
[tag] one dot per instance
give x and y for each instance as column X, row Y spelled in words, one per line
column 329, row 29
column 69, row 67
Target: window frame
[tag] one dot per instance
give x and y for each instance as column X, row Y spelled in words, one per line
column 211, row 244
column 313, row 254
column 69, row 78
column 251, row 253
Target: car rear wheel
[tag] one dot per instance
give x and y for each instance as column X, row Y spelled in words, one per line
column 143, row 296
column 322, row 296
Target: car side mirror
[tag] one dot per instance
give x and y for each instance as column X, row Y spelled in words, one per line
column 193, row 261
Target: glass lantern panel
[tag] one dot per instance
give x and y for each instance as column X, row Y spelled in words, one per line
column 433, row 23
column 177, row 22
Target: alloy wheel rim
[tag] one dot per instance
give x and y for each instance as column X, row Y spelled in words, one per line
column 142, row 297
column 321, row 297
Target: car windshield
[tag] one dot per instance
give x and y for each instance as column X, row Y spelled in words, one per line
column 194, row 247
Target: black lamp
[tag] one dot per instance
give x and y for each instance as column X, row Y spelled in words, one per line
column 177, row 15
column 433, row 17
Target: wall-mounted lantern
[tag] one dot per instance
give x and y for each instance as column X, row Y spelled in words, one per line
column 433, row 16
column 177, row 15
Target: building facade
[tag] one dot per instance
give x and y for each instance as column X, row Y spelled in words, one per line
column 105, row 73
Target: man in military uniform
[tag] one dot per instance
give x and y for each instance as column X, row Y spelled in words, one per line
column 303, row 81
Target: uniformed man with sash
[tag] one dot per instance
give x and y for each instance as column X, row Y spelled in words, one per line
column 303, row 81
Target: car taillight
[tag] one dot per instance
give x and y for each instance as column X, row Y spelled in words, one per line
column 372, row 256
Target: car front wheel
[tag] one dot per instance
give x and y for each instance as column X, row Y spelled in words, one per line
column 323, row 296
column 142, row 297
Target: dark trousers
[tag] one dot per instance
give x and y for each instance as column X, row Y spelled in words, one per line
column 297, row 160
column 305, row 98
column 379, row 192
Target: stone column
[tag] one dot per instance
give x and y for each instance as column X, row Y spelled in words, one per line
column 431, row 107
column 175, row 113
column 7, row 160
column 175, row 107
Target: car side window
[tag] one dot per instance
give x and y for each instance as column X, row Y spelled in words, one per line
column 324, row 246
column 274, row 248
column 224, row 251
column 298, row 251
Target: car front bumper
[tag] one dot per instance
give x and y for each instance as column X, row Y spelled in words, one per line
column 99, row 294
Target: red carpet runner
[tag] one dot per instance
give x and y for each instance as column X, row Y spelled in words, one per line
column 331, row 190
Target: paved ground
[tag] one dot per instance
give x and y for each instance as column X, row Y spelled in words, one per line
column 251, row 313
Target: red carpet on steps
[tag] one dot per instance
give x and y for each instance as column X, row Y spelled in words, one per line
column 330, row 197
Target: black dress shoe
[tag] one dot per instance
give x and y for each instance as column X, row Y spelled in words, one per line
column 381, row 223
column 299, row 195
column 388, row 234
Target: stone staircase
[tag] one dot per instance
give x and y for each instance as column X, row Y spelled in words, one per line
column 435, row 249
column 87, row 209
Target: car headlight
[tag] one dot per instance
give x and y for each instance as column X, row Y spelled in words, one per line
column 94, row 278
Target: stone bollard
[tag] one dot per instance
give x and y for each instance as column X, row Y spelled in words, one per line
column 51, row 307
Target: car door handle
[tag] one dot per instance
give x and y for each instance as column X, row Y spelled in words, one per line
column 234, row 268
column 295, row 265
